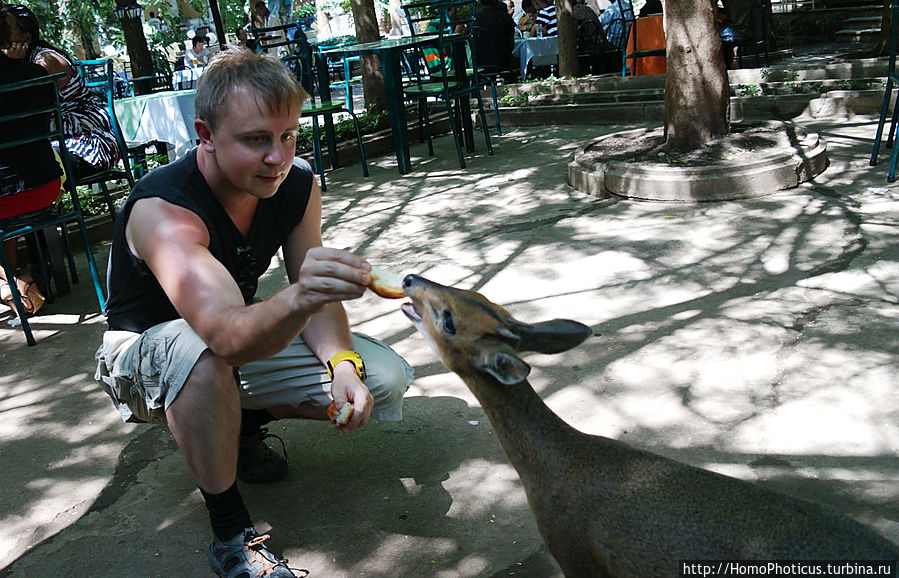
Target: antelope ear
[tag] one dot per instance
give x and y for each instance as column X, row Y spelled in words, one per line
column 553, row 336
column 505, row 367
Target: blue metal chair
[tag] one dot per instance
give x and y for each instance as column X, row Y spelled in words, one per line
column 100, row 78
column 52, row 217
column 892, row 79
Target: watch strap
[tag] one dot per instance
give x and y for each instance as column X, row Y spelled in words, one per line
column 350, row 356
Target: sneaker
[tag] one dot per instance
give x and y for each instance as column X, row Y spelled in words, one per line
column 247, row 558
column 256, row 462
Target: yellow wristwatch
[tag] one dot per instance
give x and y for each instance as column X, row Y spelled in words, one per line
column 350, row 356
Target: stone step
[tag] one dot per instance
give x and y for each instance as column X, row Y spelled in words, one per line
column 870, row 21
column 831, row 104
column 860, row 35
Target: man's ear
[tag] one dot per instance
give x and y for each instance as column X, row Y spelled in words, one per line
column 204, row 133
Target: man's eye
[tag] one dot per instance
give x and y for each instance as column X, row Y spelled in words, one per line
column 255, row 140
column 289, row 137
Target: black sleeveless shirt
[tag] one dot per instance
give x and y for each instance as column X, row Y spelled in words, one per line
column 136, row 300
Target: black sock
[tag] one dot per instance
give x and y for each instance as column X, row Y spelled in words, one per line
column 253, row 419
column 227, row 513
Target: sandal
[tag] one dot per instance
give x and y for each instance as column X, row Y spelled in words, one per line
column 32, row 299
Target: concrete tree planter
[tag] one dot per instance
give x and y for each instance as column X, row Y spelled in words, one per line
column 755, row 175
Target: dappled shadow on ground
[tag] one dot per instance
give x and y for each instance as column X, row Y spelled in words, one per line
column 755, row 338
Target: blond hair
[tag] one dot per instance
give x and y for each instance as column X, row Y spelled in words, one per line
column 263, row 76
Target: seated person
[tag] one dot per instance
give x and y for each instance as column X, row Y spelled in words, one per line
column 90, row 141
column 651, row 7
column 188, row 343
column 198, row 55
column 29, row 173
column 526, row 21
column 613, row 22
column 583, row 14
column 545, row 20
column 494, row 33
column 243, row 38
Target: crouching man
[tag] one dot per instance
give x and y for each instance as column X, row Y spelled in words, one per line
column 188, row 346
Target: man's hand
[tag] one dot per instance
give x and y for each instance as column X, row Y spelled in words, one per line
column 328, row 275
column 348, row 388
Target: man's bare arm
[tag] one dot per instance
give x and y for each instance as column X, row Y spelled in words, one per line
column 174, row 243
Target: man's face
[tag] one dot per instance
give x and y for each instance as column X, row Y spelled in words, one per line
column 199, row 46
column 254, row 149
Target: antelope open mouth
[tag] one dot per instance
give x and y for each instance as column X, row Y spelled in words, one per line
column 411, row 312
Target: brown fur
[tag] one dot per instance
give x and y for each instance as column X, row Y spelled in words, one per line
column 603, row 507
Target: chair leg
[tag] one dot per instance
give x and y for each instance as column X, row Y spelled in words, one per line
column 484, row 123
column 359, row 140
column 317, row 160
column 423, row 104
column 891, row 135
column 455, row 126
column 73, row 273
column 16, row 297
column 887, row 93
column 91, row 263
column 109, row 203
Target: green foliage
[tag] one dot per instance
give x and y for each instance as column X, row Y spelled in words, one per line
column 369, row 122
column 747, row 89
column 520, row 99
column 303, row 12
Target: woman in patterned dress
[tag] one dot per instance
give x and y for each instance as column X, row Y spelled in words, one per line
column 90, row 139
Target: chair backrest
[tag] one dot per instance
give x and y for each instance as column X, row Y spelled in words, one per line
column 43, row 94
column 288, row 42
column 451, row 23
column 99, row 77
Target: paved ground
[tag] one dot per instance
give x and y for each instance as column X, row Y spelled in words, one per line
column 756, row 338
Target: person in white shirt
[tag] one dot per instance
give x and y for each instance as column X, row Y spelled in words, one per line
column 198, row 55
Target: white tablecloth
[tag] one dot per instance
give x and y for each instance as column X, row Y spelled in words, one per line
column 543, row 51
column 164, row 116
column 186, row 78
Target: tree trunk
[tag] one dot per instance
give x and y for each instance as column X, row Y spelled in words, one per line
column 138, row 52
column 366, row 22
column 696, row 86
column 568, row 64
column 882, row 48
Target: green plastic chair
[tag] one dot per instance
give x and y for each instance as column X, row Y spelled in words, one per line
column 445, row 69
column 45, row 106
column 289, row 43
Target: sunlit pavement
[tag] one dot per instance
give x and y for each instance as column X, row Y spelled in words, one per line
column 757, row 338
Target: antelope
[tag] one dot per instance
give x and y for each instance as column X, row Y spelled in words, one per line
column 605, row 508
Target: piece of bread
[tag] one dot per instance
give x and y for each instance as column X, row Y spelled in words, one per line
column 343, row 416
column 385, row 283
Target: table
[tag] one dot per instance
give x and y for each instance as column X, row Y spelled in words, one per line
column 165, row 116
column 542, row 50
column 390, row 49
column 186, row 78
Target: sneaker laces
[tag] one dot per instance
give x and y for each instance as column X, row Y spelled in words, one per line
column 264, row 557
column 262, row 447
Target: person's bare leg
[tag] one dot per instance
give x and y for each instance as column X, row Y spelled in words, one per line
column 205, row 422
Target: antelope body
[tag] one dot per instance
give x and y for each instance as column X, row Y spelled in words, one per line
column 603, row 507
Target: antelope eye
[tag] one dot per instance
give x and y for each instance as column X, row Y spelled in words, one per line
column 449, row 326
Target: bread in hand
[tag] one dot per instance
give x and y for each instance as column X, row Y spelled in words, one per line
column 341, row 416
column 385, row 283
